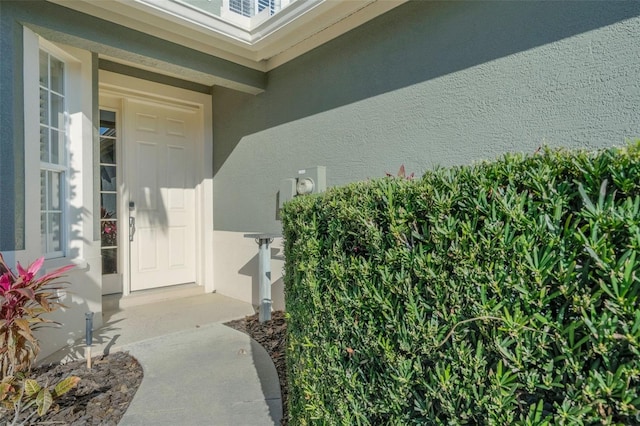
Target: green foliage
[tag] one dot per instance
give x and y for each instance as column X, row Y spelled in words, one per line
column 20, row 394
column 24, row 298
column 501, row 293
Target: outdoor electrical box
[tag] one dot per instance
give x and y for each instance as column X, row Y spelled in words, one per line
column 309, row 181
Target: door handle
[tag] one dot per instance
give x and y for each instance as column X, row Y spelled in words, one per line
column 132, row 227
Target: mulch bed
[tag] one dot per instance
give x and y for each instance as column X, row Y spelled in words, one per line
column 101, row 397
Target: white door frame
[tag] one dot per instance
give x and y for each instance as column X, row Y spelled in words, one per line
column 117, row 88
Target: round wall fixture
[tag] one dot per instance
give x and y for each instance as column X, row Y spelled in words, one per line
column 304, row 186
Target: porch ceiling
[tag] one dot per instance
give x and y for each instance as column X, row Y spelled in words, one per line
column 296, row 29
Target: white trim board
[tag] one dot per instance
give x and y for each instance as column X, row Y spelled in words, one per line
column 298, row 28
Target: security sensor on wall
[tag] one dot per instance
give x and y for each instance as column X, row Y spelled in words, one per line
column 309, row 181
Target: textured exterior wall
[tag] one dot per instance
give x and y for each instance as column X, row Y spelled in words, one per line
column 236, row 268
column 211, row 6
column 11, row 133
column 427, row 84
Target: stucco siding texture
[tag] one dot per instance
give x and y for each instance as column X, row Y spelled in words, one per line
column 430, row 84
column 11, row 134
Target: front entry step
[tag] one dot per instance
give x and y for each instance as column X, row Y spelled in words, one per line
column 117, row 302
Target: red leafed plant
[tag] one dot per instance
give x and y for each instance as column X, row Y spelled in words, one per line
column 24, row 297
column 402, row 173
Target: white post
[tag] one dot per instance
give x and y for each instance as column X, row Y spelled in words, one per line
column 264, row 273
column 264, row 266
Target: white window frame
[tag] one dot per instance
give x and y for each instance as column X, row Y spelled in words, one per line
column 250, row 8
column 251, row 13
column 61, row 167
column 78, row 227
column 113, row 281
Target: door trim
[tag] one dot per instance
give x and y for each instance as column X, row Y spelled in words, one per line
column 120, row 88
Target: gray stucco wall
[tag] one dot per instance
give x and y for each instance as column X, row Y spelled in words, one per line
column 11, row 133
column 430, row 83
column 210, row 6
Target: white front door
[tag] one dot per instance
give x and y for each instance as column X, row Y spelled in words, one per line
column 159, row 147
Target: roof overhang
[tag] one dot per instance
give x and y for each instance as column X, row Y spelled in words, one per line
column 262, row 45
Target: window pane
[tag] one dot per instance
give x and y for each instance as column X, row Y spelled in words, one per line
column 43, row 190
column 107, row 123
column 43, row 233
column 109, row 233
column 108, row 178
column 263, row 4
column 54, row 194
column 107, row 151
column 44, row 107
column 52, row 151
column 54, row 243
column 109, row 261
column 56, row 149
column 242, row 7
column 44, row 144
column 57, row 75
column 44, row 69
column 57, row 111
column 108, row 206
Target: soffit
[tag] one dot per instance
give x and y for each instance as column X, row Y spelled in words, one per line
column 296, row 29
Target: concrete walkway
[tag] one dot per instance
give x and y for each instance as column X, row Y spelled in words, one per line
column 197, row 371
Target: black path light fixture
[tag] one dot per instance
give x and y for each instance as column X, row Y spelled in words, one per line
column 88, row 336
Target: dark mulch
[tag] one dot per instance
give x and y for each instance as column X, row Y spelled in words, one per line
column 106, row 390
column 101, row 397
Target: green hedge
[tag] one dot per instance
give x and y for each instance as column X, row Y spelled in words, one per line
column 500, row 293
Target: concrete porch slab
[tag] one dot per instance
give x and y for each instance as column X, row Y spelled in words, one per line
column 146, row 321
